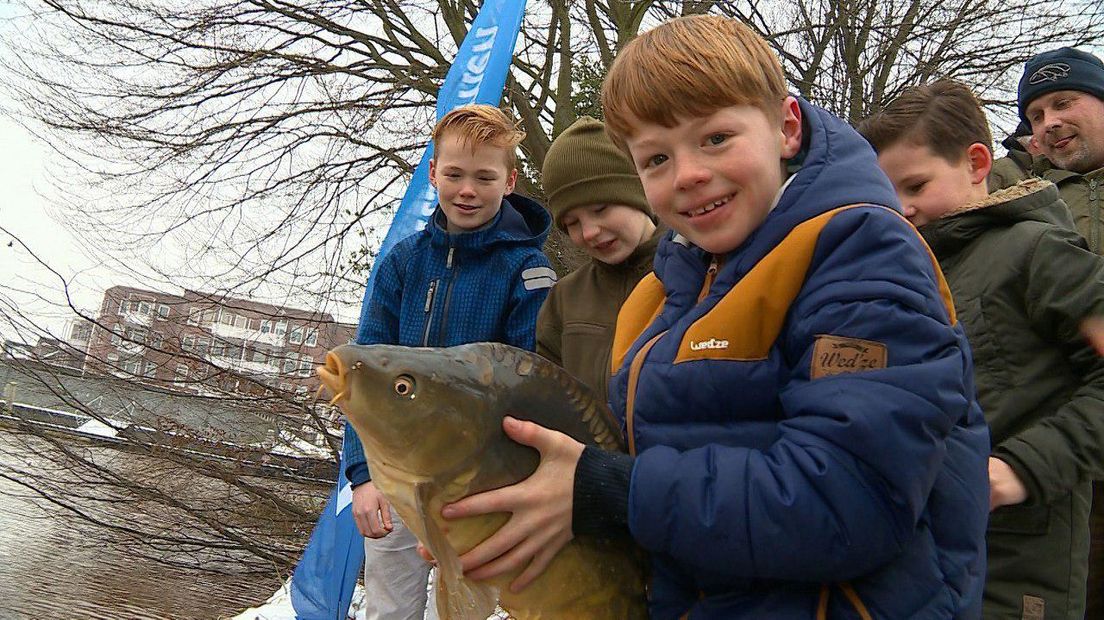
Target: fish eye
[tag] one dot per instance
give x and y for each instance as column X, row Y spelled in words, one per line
column 404, row 386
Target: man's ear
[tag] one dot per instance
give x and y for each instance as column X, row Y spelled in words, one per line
column 791, row 127
column 1033, row 147
column 433, row 171
column 981, row 162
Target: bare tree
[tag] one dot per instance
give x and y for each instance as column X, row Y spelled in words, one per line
column 176, row 474
column 854, row 56
column 265, row 136
column 267, row 142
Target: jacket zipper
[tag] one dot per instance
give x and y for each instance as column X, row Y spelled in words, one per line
column 638, row 360
column 429, row 311
column 442, row 330
column 1094, row 209
column 710, row 274
column 630, row 397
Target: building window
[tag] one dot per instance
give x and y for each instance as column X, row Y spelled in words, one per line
column 151, row 370
column 266, row 327
column 193, row 316
column 226, row 318
column 208, row 317
column 188, row 343
column 218, row 348
column 182, row 371
column 240, row 321
column 202, row 345
column 133, row 366
column 113, row 359
column 289, row 366
column 295, row 336
column 305, row 367
column 162, row 311
column 260, row 356
column 285, row 387
column 123, row 306
column 144, row 308
column 312, row 337
column 156, row 340
column 137, row 334
column 80, row 331
column 281, row 328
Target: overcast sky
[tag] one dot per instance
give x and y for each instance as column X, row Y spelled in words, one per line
column 24, row 213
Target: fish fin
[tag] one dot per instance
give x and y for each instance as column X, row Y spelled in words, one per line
column 457, row 597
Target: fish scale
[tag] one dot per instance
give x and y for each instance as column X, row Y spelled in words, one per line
column 431, row 424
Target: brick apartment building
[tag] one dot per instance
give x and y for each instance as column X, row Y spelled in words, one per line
column 207, row 343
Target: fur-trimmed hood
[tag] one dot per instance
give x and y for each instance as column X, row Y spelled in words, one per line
column 1029, row 200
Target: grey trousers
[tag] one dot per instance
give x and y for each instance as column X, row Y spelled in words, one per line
column 396, row 577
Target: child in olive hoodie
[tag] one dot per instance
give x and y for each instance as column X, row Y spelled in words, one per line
column 1022, row 282
column 595, row 196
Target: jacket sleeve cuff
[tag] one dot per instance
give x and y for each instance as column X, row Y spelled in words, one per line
column 1023, row 460
column 357, row 473
column 601, row 496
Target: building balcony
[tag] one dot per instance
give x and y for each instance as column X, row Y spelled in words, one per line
column 227, row 332
column 243, row 366
column 136, row 318
column 131, row 348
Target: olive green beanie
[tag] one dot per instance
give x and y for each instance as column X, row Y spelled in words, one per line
column 583, row 167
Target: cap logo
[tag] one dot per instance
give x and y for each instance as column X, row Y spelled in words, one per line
column 1050, row 73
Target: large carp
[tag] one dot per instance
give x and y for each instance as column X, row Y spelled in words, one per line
column 431, row 424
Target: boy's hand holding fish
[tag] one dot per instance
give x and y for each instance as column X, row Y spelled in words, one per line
column 540, row 509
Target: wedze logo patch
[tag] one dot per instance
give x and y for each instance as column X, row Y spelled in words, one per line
column 834, row 355
column 712, row 343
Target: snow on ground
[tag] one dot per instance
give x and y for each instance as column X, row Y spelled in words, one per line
column 95, row 427
column 292, row 445
column 278, row 607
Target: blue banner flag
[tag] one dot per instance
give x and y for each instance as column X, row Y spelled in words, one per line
column 477, row 75
column 323, row 583
column 325, row 577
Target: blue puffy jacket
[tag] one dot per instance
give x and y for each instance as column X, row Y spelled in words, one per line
column 807, row 437
column 435, row 289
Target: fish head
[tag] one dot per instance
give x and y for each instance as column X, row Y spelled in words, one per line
column 421, row 410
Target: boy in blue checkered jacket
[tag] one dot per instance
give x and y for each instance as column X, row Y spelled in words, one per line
column 475, row 274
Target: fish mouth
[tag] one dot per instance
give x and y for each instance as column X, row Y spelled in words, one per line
column 333, row 377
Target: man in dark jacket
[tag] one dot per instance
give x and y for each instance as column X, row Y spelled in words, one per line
column 1022, row 282
column 1061, row 97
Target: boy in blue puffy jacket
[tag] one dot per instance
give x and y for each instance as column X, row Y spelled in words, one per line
column 795, row 389
column 475, row 274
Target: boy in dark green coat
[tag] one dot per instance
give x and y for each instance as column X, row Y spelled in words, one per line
column 595, row 196
column 1022, row 282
